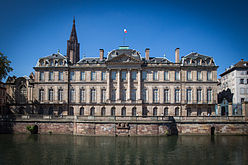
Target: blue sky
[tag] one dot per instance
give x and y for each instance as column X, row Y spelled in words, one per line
column 33, row 29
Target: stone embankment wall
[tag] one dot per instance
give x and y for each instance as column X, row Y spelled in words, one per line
column 181, row 126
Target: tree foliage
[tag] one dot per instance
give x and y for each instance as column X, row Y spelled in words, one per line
column 4, row 66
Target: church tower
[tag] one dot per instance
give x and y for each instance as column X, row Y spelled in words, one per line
column 73, row 46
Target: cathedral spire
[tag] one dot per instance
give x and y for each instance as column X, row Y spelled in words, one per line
column 73, row 45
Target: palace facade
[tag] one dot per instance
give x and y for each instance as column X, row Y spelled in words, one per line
column 122, row 83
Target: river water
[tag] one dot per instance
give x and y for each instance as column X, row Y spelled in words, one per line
column 68, row 149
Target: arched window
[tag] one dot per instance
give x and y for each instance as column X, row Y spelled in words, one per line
column 103, row 111
column 123, row 111
column 144, row 111
column 60, row 111
column 81, row 113
column 166, row 113
column 155, row 111
column 113, row 111
column 176, row 111
column 199, row 112
column 40, row 111
column 92, row 111
column 134, row 111
column 71, row 111
column 50, row 111
column 188, row 111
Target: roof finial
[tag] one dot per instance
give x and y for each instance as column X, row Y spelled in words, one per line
column 58, row 51
column 73, row 19
column 164, row 55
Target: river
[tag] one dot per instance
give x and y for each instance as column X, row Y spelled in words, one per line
column 68, row 149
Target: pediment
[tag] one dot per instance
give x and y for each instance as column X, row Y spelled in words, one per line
column 124, row 59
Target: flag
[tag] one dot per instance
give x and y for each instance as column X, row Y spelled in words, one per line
column 125, row 30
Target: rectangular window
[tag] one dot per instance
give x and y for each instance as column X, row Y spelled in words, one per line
column 155, row 75
column 41, row 76
column 134, row 75
column 123, row 94
column 176, row 75
column 188, row 75
column 50, row 94
column 41, row 95
column 113, row 95
column 60, row 94
column 242, row 90
column 93, row 76
column 50, row 75
column 241, row 81
column 133, row 94
column 60, row 75
column 123, row 75
column 144, row 75
column 144, row 95
column 166, row 76
column 155, row 95
column 113, row 75
column 209, row 95
column 189, row 95
column 198, row 75
column 103, row 96
column 103, row 75
column 166, row 95
column 177, row 95
column 93, row 95
column 209, row 75
column 72, row 76
column 198, row 95
column 82, row 95
column 72, row 95
column 82, row 75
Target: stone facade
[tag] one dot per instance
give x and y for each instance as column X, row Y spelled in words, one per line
column 125, row 84
column 2, row 99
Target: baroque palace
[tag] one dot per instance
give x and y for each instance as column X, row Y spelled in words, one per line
column 120, row 84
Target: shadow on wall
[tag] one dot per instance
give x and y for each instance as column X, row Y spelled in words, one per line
column 6, row 124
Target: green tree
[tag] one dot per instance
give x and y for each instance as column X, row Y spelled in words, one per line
column 4, row 66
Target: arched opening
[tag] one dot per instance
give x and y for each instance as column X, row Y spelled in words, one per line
column 103, row 111
column 92, row 111
column 60, row 112
column 134, row 111
column 155, row 111
column 188, row 111
column 177, row 111
column 123, row 111
column 50, row 111
column 199, row 112
column 212, row 130
column 81, row 112
column 112, row 111
column 166, row 113
column 144, row 111
column 71, row 111
column 40, row 111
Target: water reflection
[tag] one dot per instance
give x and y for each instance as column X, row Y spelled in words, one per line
column 66, row 149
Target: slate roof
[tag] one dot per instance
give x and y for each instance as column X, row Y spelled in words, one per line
column 240, row 65
column 92, row 60
column 58, row 55
column 155, row 60
column 195, row 55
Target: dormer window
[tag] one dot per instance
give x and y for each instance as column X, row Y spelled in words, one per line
column 41, row 63
column 61, row 62
column 198, row 62
column 51, row 62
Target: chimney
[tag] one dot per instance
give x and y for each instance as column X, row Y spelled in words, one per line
column 242, row 60
column 101, row 54
column 177, row 55
column 147, row 53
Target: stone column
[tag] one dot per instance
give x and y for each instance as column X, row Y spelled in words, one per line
column 230, row 109
column 128, row 85
column 245, row 108
column 108, row 85
column 118, row 89
column 139, row 85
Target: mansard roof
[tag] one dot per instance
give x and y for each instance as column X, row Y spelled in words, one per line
column 57, row 55
column 92, row 60
column 194, row 59
column 155, row 60
column 195, row 55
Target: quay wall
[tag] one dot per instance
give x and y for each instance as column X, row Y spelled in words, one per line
column 147, row 127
